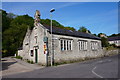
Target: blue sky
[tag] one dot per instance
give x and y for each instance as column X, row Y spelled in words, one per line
column 98, row 17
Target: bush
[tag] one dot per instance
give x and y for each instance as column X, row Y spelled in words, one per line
column 19, row 57
column 31, row 62
column 110, row 48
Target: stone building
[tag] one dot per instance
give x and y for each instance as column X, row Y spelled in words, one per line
column 67, row 45
column 114, row 40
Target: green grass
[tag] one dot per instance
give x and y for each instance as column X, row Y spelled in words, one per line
column 18, row 57
column 110, row 48
column 72, row 61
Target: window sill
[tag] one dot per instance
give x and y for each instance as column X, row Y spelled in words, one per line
column 66, row 50
column 82, row 50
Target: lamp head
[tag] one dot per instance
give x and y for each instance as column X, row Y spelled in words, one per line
column 52, row 10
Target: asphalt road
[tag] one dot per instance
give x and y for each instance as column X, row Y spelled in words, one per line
column 106, row 67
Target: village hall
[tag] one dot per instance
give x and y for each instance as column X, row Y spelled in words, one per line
column 44, row 45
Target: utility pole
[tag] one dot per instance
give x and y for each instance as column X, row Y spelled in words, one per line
column 52, row 10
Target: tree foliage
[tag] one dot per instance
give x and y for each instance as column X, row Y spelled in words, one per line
column 84, row 29
column 5, row 20
column 70, row 28
column 113, row 35
column 54, row 23
column 104, row 42
column 14, row 32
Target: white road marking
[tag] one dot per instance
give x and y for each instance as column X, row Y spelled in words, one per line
column 96, row 73
column 108, row 60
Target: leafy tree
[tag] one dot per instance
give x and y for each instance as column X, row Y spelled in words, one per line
column 99, row 35
column 54, row 23
column 5, row 20
column 104, row 42
column 113, row 35
column 83, row 29
column 95, row 34
column 70, row 28
column 14, row 35
column 25, row 19
column 11, row 15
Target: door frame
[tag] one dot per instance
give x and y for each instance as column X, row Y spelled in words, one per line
column 36, row 55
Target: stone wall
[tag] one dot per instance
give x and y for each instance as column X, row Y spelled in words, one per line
column 111, row 52
column 75, row 53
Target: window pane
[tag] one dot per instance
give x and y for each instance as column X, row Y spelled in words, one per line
column 61, row 41
column 67, row 45
column 31, row 53
column 64, row 44
column 70, row 45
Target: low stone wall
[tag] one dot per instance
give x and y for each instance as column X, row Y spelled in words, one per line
column 85, row 56
column 71, row 57
column 110, row 52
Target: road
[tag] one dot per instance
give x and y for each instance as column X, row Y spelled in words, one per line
column 12, row 66
column 106, row 67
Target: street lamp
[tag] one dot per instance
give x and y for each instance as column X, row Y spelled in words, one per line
column 52, row 10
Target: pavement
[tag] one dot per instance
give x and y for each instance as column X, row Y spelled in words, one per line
column 12, row 66
column 106, row 67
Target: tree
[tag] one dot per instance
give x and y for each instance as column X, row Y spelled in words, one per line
column 5, row 20
column 113, row 35
column 83, row 29
column 54, row 23
column 11, row 15
column 95, row 34
column 70, row 28
column 105, row 42
column 14, row 35
column 103, row 35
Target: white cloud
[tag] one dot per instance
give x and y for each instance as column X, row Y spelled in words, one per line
column 67, row 5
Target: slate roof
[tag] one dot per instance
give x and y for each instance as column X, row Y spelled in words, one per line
column 114, row 38
column 59, row 31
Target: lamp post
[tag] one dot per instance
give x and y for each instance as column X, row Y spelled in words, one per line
column 52, row 10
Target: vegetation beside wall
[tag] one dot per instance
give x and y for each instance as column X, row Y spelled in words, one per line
column 75, row 60
column 29, row 61
column 18, row 57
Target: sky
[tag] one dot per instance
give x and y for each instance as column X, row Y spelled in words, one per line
column 98, row 17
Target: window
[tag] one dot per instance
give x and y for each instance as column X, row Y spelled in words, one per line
column 66, row 44
column 94, row 45
column 82, row 45
column 61, row 42
column 70, row 45
column 31, row 53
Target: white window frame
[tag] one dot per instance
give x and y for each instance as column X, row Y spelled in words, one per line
column 66, row 44
column 94, row 45
column 82, row 44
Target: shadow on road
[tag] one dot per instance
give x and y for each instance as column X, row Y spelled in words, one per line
column 6, row 64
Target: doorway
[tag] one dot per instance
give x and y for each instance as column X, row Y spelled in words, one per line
column 36, row 56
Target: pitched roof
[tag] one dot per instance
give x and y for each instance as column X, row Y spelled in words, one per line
column 114, row 38
column 60, row 31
